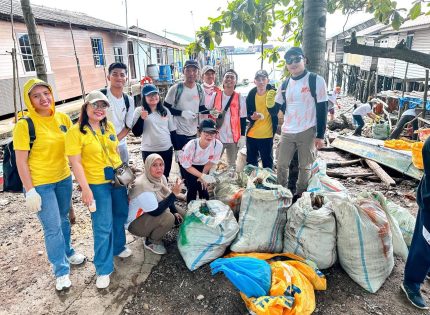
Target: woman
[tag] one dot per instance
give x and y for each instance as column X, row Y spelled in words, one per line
column 45, row 174
column 91, row 145
column 198, row 157
column 150, row 201
column 417, row 266
column 154, row 122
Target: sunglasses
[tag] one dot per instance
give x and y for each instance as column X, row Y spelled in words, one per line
column 99, row 105
column 293, row 59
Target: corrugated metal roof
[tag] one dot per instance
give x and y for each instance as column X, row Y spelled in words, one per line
column 356, row 28
column 155, row 42
column 372, row 30
column 423, row 21
column 51, row 15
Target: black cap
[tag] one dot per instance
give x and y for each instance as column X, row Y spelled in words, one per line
column 191, row 63
column 261, row 73
column 207, row 125
column 293, row 51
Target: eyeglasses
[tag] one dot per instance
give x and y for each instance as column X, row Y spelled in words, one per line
column 99, row 105
column 297, row 59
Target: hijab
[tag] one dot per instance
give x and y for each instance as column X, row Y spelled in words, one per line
column 146, row 182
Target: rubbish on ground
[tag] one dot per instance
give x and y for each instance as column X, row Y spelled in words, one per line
column 229, row 190
column 208, row 229
column 310, row 231
column 250, row 275
column 379, row 171
column 343, row 163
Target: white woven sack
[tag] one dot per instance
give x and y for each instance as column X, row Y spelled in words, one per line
column 321, row 182
column 311, row 233
column 405, row 220
column 364, row 244
column 203, row 238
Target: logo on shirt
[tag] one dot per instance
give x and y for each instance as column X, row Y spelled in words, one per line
column 112, row 137
column 305, row 89
column 63, row 128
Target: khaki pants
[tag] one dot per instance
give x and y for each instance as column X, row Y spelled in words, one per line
column 232, row 150
column 153, row 227
column 303, row 142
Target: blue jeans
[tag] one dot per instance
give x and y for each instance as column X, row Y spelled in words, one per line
column 360, row 124
column 54, row 217
column 108, row 225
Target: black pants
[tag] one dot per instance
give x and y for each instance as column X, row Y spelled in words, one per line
column 194, row 187
column 262, row 147
column 167, row 158
column 293, row 173
column 401, row 124
column 181, row 141
column 360, row 124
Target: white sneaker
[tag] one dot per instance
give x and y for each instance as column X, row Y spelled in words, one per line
column 76, row 259
column 125, row 253
column 155, row 248
column 103, row 282
column 62, row 283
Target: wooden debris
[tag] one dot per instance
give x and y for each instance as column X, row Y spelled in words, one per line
column 380, row 173
column 343, row 163
column 348, row 175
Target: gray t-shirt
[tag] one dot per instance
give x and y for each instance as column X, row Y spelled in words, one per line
column 189, row 100
column 156, row 130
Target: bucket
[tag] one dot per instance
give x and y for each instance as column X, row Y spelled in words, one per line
column 165, row 73
column 152, row 71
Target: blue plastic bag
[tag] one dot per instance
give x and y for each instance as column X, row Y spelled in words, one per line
column 251, row 276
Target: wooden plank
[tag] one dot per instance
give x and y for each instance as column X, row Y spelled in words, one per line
column 349, row 175
column 380, row 173
column 343, row 163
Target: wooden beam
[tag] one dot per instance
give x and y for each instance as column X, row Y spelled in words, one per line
column 380, row 173
column 404, row 54
column 349, row 175
column 343, row 163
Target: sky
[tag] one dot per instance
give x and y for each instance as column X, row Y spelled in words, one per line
column 182, row 17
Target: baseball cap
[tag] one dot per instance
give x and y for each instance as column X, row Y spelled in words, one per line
column 294, row 51
column 40, row 83
column 95, row 96
column 149, row 89
column 261, row 73
column 191, row 63
column 207, row 125
column 207, row 68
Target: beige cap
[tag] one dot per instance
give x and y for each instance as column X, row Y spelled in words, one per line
column 95, row 96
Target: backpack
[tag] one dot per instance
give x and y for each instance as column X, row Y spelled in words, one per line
column 180, row 89
column 312, row 86
column 11, row 180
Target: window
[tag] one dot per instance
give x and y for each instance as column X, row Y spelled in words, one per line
column 409, row 40
column 27, row 56
column 159, row 56
column 117, row 53
column 333, row 45
column 131, row 65
column 98, row 53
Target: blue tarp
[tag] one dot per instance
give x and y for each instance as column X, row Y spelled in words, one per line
column 413, row 102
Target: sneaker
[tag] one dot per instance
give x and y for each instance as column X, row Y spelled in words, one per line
column 76, row 259
column 62, row 283
column 125, row 253
column 103, row 282
column 414, row 297
column 155, row 248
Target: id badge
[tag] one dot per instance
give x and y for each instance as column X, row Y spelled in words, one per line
column 109, row 173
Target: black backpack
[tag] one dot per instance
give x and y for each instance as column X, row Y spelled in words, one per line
column 11, row 180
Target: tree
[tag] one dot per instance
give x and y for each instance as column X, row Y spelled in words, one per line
column 302, row 21
column 36, row 46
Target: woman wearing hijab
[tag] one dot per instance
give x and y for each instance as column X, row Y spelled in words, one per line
column 417, row 266
column 45, row 174
column 150, row 219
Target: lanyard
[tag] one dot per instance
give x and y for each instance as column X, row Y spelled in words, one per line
column 102, row 145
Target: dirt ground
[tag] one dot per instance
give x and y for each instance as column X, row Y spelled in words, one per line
column 26, row 281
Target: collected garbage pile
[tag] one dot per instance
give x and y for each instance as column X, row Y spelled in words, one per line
column 277, row 248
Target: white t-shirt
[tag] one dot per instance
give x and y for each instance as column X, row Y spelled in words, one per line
column 362, row 110
column 193, row 154
column 410, row 112
column 156, row 130
column 225, row 134
column 143, row 203
column 300, row 114
column 189, row 100
column 117, row 113
column 332, row 97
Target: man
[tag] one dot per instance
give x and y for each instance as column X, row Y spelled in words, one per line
column 408, row 116
column 332, row 101
column 185, row 100
column 231, row 122
column 304, row 102
column 358, row 116
column 262, row 112
column 121, row 109
column 209, row 87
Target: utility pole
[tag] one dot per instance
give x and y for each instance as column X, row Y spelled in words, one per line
column 36, row 46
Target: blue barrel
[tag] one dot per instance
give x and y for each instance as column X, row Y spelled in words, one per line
column 165, row 73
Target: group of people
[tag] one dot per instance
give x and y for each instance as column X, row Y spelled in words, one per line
column 195, row 124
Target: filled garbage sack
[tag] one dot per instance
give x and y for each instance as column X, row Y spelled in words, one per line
column 381, row 130
column 364, row 241
column 208, row 229
column 262, row 214
column 321, row 182
column 310, row 231
column 405, row 220
column 229, row 189
column 250, row 275
column 292, row 286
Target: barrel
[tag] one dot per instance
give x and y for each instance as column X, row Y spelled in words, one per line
column 165, row 73
column 152, row 72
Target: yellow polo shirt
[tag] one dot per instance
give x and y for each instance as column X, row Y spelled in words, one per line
column 262, row 128
column 93, row 157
